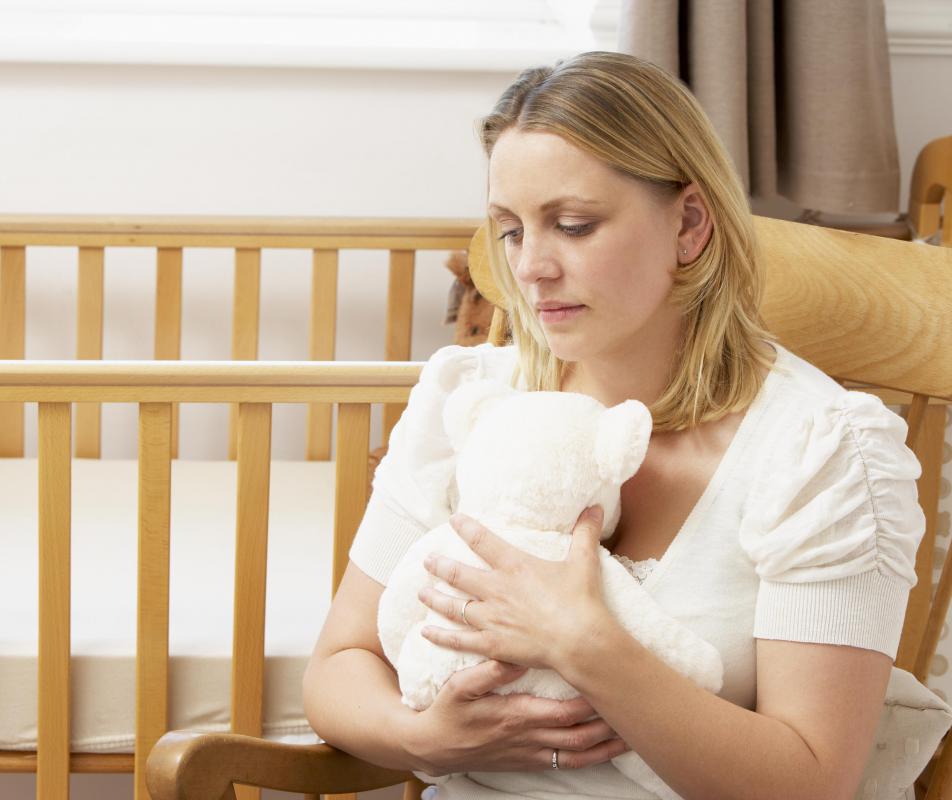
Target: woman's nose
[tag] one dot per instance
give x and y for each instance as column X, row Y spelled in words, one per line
column 536, row 260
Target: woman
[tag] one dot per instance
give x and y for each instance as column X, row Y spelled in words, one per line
column 775, row 513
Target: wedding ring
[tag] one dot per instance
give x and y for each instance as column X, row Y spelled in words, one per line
column 463, row 613
column 555, row 759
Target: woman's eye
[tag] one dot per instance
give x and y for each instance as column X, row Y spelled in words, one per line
column 569, row 230
column 576, row 230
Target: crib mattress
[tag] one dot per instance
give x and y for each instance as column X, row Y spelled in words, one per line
column 103, row 597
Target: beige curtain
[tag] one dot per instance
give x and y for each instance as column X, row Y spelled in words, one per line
column 798, row 91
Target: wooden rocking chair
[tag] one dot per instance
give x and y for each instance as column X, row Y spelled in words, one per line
column 869, row 311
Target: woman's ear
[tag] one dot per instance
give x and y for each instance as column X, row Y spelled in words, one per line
column 465, row 404
column 696, row 224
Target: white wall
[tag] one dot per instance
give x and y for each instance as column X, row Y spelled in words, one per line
column 164, row 140
column 174, row 140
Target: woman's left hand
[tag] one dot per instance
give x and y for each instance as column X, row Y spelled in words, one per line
column 527, row 610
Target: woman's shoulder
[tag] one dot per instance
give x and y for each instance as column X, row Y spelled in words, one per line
column 832, row 454
column 831, row 521
column 807, row 400
column 804, row 383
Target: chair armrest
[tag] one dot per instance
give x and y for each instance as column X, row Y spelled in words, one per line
column 185, row 765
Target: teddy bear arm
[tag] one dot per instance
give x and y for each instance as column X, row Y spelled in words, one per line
column 423, row 667
column 399, row 607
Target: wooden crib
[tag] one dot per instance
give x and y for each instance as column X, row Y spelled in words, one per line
column 246, row 237
column 249, row 388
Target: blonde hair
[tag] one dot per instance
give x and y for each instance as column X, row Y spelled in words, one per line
column 641, row 121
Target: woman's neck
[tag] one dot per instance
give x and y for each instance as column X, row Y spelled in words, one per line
column 636, row 373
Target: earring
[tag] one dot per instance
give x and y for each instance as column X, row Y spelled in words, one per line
column 685, row 252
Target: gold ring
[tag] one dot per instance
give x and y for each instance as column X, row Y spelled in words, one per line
column 463, row 612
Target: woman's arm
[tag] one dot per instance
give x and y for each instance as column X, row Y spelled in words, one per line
column 817, row 705
column 817, row 710
column 352, row 699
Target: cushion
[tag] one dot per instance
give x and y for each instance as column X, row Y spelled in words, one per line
column 911, row 725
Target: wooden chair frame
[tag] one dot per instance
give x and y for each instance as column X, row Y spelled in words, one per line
column 889, row 338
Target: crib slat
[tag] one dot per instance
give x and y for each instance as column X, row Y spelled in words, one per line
column 251, row 552
column 12, row 338
column 89, row 344
column 350, row 492
column 23, row 761
column 152, row 631
column 53, row 719
column 399, row 323
column 168, row 316
column 322, row 346
column 244, row 323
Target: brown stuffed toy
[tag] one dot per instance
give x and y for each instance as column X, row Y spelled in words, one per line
column 472, row 314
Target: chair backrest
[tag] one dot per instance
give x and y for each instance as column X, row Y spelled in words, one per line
column 246, row 237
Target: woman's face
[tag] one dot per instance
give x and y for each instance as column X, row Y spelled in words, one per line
column 579, row 234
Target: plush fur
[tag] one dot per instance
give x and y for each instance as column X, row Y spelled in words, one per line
column 528, row 464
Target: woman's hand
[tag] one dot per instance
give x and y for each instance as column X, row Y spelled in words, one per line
column 470, row 729
column 527, row 610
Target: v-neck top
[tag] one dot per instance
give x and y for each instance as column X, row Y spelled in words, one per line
column 807, row 530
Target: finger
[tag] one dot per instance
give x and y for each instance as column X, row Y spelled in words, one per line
column 587, row 533
column 460, row 576
column 480, row 680
column 577, row 737
column 467, row 640
column 541, row 712
column 482, row 541
column 598, row 754
column 455, row 609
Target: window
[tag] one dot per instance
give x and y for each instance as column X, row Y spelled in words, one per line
column 388, row 34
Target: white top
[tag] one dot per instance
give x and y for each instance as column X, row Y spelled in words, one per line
column 806, row 532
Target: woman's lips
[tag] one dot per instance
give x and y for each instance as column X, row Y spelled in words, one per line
column 560, row 314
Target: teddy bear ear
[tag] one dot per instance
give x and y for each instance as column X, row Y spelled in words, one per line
column 464, row 405
column 621, row 440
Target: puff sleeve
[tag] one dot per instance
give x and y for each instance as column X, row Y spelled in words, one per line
column 834, row 531
column 411, row 485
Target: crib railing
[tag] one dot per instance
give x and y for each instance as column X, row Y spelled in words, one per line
column 246, row 236
column 155, row 387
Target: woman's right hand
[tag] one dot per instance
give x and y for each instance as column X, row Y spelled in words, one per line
column 468, row 728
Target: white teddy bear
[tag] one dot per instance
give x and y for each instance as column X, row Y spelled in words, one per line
column 528, row 464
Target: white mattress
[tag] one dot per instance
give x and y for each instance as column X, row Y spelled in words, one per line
column 104, row 526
